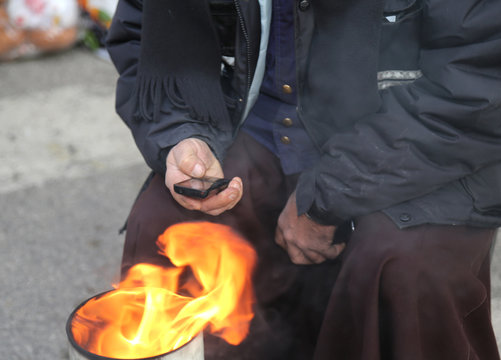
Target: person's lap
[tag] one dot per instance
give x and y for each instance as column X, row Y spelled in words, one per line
column 416, row 293
column 382, row 271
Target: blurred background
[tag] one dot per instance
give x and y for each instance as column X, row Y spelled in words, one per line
column 69, row 172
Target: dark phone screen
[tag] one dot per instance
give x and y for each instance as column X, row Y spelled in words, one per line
column 201, row 188
column 198, row 184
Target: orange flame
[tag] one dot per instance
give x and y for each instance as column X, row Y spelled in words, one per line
column 155, row 310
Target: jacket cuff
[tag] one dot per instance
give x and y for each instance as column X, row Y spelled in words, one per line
column 163, row 159
column 306, row 204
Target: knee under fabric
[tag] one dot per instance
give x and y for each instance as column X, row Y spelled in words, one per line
column 417, row 293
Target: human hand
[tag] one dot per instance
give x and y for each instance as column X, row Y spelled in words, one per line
column 306, row 241
column 193, row 158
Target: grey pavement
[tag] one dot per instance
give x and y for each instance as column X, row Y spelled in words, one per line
column 69, row 172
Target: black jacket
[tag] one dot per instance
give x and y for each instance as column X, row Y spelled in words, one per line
column 430, row 154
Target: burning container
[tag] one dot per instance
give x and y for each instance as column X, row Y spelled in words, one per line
column 192, row 350
column 161, row 312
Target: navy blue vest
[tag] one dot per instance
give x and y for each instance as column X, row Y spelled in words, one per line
column 273, row 120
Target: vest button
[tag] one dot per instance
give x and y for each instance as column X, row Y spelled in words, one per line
column 404, row 217
column 287, row 122
column 287, row 89
column 285, row 140
column 304, row 5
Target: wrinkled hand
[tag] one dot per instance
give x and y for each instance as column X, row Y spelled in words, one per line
column 193, row 158
column 306, row 241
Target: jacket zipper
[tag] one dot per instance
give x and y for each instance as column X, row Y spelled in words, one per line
column 247, row 44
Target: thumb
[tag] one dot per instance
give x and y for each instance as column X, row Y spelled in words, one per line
column 188, row 161
column 192, row 165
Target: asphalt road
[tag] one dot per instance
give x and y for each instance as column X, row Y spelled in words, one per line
column 69, row 172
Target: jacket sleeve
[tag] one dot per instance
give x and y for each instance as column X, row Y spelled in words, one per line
column 443, row 127
column 153, row 139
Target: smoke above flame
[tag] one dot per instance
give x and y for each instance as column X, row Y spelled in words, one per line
column 155, row 309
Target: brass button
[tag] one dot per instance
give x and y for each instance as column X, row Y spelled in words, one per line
column 285, row 140
column 287, row 122
column 287, row 89
column 304, row 5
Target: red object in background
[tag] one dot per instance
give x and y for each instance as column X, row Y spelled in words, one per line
column 33, row 27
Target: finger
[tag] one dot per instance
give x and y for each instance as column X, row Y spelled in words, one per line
column 297, row 256
column 225, row 200
column 279, row 238
column 331, row 252
column 234, row 192
column 189, row 163
column 193, row 157
column 335, row 250
column 314, row 257
column 187, row 202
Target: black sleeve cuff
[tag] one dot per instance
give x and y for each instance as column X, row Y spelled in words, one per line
column 305, row 201
column 314, row 215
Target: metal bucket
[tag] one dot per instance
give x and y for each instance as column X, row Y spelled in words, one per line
column 192, row 350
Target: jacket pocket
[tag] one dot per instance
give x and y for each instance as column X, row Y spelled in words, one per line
column 400, row 35
column 484, row 188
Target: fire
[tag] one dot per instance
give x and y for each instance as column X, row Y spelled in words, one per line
column 155, row 309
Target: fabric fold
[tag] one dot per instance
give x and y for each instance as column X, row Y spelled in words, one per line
column 180, row 61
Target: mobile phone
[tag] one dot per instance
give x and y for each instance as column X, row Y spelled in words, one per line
column 201, row 188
